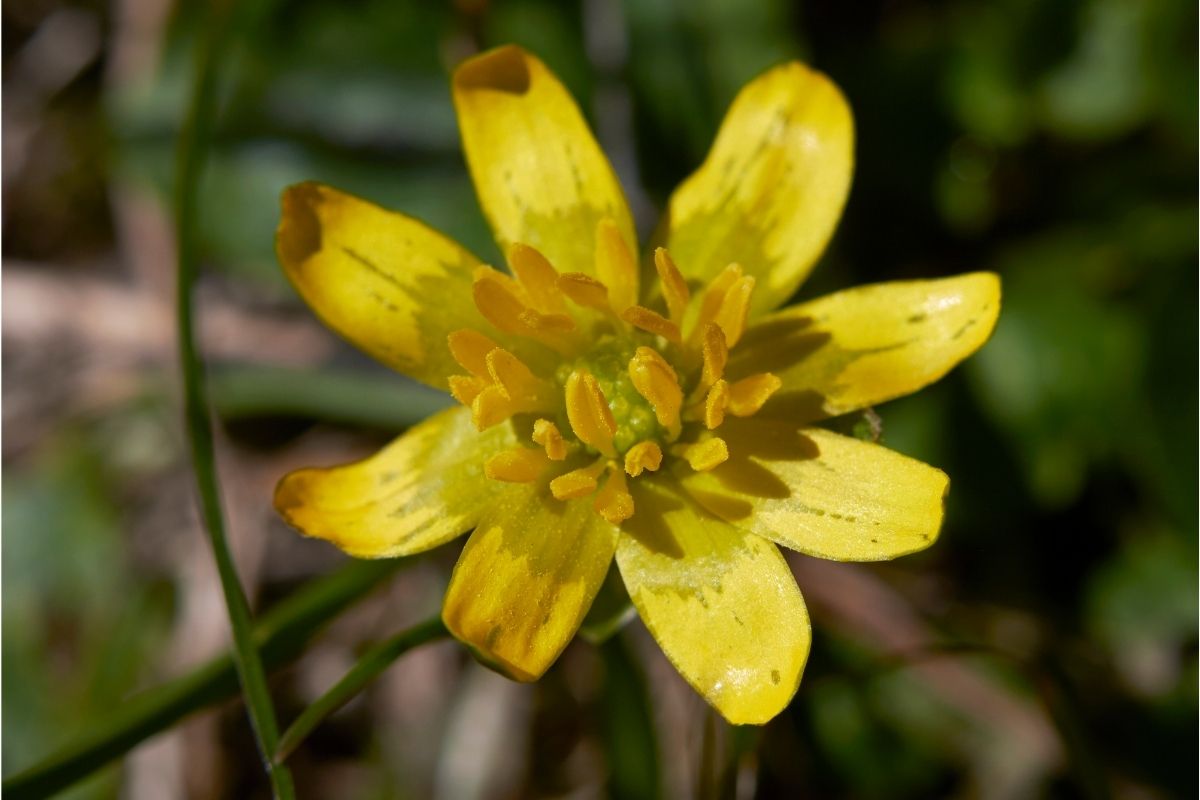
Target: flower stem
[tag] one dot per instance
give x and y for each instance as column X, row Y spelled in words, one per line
column 375, row 661
column 191, row 155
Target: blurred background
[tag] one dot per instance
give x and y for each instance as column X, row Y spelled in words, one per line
column 1046, row 647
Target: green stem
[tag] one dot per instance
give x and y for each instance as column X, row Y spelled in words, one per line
column 376, row 660
column 193, row 146
column 281, row 635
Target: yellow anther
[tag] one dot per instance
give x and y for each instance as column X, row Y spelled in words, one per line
column 465, row 388
column 748, row 395
column 526, row 391
column 643, row 456
column 613, row 502
column 715, row 403
column 714, row 296
column 674, row 287
column 654, row 380
column 497, row 302
column 491, row 406
column 715, row 353
column 538, row 277
column 615, row 266
column 589, row 414
column 546, row 434
column 585, row 291
column 502, row 302
column 521, row 465
column 652, row 322
column 538, row 322
column 470, row 349
column 705, row 455
column 734, row 308
column 578, row 482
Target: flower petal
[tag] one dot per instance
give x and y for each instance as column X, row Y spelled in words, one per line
column 526, row 579
column 387, row 283
column 867, row 345
column 721, row 602
column 821, row 493
column 541, row 178
column 421, row 490
column 772, row 188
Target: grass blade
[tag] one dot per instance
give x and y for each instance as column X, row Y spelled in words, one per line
column 375, row 661
column 281, row 635
column 193, row 147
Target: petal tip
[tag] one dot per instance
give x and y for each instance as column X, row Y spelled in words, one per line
column 299, row 233
column 503, row 69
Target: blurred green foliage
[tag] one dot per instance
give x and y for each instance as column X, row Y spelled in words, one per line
column 1054, row 143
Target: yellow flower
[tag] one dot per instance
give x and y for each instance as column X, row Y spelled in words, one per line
column 661, row 413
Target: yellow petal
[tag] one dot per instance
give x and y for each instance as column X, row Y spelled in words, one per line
column 821, row 493
column 541, row 178
column 721, row 602
column 385, row 282
column 421, row 490
column 866, row 345
column 526, row 578
column 771, row 189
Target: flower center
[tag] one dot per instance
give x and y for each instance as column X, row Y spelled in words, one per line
column 633, row 415
column 614, row 388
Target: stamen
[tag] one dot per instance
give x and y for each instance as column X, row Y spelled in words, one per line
column 589, row 414
column 614, row 502
column 578, row 482
column 715, row 403
column 547, row 323
column 652, row 322
column 538, row 277
column 490, row 407
column 655, row 380
column 734, row 308
column 674, row 287
column 465, row 389
column 470, row 349
column 714, row 295
column 546, row 434
column 615, row 266
column 716, row 355
column 520, row 465
column 705, row 455
column 499, row 300
column 747, row 396
column 585, row 290
column 527, row 391
column 645, row 455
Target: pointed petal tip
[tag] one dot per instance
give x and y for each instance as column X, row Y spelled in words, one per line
column 502, row 69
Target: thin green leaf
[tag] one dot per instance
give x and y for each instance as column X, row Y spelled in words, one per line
column 281, row 635
column 630, row 743
column 193, row 147
column 376, row 660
